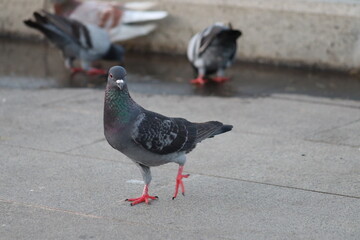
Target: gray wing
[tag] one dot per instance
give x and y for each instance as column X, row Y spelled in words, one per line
column 162, row 135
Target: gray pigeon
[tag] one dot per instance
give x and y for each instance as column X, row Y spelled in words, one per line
column 148, row 138
column 212, row 51
column 77, row 41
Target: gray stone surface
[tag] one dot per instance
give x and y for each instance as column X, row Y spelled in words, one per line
column 24, row 221
column 289, row 170
column 345, row 135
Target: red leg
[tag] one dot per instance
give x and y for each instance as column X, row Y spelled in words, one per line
column 179, row 182
column 96, row 71
column 144, row 197
column 220, row 79
column 76, row 70
column 200, row 80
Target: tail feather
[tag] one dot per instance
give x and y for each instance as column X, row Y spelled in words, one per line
column 32, row 24
column 39, row 23
column 210, row 129
column 229, row 35
column 44, row 24
column 51, row 34
column 225, row 128
column 39, row 18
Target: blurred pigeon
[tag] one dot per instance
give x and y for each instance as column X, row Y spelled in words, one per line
column 211, row 51
column 77, row 41
column 118, row 19
column 148, row 138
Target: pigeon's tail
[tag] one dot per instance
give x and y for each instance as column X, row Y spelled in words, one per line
column 33, row 24
column 229, row 35
column 52, row 35
column 38, row 23
column 210, row 129
column 44, row 24
column 224, row 129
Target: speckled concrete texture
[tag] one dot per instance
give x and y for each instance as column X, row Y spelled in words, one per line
column 282, row 173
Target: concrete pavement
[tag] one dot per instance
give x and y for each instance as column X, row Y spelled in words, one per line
column 290, row 169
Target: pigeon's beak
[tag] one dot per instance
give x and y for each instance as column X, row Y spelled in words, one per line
column 120, row 83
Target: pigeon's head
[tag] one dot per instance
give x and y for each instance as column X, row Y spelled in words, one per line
column 116, row 77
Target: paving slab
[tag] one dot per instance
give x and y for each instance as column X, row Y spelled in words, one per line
column 264, row 146
column 345, row 135
column 238, row 210
column 334, row 101
column 269, row 160
column 275, row 176
column 269, row 116
column 31, row 121
column 69, row 182
column 24, row 221
column 214, row 207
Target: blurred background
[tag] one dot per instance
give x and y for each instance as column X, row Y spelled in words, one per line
column 286, row 46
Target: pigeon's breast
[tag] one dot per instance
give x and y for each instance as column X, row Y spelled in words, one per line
column 140, row 155
column 116, row 132
column 115, row 137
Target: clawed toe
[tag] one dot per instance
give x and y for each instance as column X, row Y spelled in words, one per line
column 144, row 198
column 198, row 81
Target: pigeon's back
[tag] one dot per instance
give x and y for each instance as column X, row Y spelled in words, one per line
column 214, row 47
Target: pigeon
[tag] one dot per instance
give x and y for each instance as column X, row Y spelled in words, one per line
column 77, row 41
column 212, row 51
column 150, row 139
column 122, row 21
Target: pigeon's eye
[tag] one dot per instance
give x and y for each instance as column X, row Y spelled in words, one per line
column 111, row 75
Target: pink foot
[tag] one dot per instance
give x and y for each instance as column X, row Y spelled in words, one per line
column 179, row 182
column 144, row 198
column 220, row 79
column 199, row 80
column 96, row 71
